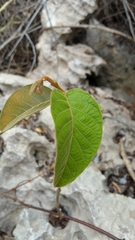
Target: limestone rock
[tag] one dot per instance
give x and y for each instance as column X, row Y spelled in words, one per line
column 119, row 71
column 86, row 199
column 66, row 64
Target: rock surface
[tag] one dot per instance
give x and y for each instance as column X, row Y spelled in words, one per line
column 119, row 71
column 66, row 63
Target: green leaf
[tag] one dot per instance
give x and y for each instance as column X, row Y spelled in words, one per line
column 78, row 123
column 21, row 105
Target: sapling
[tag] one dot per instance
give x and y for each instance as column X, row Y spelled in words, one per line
column 78, row 125
column 78, row 128
column 77, row 118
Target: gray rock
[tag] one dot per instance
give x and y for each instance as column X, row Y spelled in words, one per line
column 10, row 82
column 117, row 120
column 119, row 71
column 18, row 157
column 88, row 200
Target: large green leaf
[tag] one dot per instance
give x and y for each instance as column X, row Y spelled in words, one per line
column 21, row 105
column 78, row 124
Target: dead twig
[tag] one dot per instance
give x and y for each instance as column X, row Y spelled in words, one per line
column 33, row 50
column 23, row 183
column 110, row 30
column 117, row 187
column 131, row 5
column 13, row 36
column 131, row 12
column 25, row 30
column 125, row 159
column 127, row 10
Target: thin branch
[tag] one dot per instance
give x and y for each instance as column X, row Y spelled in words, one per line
column 125, row 159
column 57, row 199
column 64, row 215
column 33, row 29
column 110, row 30
column 33, row 50
column 117, row 187
column 23, row 183
column 17, row 33
column 131, row 5
column 130, row 10
column 126, row 7
column 102, row 8
column 25, row 30
column 12, row 37
column 93, row 227
column 111, row 15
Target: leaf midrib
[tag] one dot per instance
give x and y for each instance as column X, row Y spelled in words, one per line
column 71, row 136
column 72, row 126
column 18, row 118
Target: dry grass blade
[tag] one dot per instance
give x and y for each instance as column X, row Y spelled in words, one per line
column 12, row 37
column 25, row 30
column 19, row 32
column 5, row 5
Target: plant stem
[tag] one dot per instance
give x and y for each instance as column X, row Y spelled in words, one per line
column 93, row 227
column 65, row 216
column 53, row 82
column 37, row 86
column 57, row 200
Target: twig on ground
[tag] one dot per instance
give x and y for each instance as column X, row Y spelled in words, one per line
column 33, row 50
column 25, row 30
column 33, row 29
column 103, row 7
column 130, row 4
column 112, row 15
column 13, row 36
column 116, row 186
column 110, row 30
column 15, row 199
column 125, row 159
column 127, row 10
column 131, row 12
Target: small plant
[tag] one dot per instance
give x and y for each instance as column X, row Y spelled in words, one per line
column 78, row 124
column 78, row 127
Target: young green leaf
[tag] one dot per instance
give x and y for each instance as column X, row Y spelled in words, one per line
column 21, row 104
column 78, row 123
